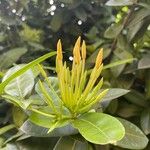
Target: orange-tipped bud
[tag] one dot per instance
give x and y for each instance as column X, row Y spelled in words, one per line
column 76, row 50
column 77, row 57
column 99, row 58
column 59, row 50
column 83, row 50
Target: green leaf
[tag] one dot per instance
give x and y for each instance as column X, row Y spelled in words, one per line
column 119, row 54
column 20, row 86
column 36, row 100
column 37, row 46
column 18, row 101
column 123, row 44
column 147, row 84
column 99, row 128
column 14, row 100
column 133, row 30
column 120, row 62
column 56, row 22
column 113, row 31
column 92, row 33
column 32, row 144
column 120, row 2
column 138, row 24
column 81, row 14
column 6, row 128
column 116, row 71
column 15, row 136
column 24, row 69
column 113, row 94
column 145, row 121
column 37, row 131
column 136, row 98
column 117, row 63
column 126, row 110
column 144, row 4
column 3, row 36
column 18, row 116
column 1, row 142
column 124, row 81
column 66, row 1
column 144, row 63
column 45, row 117
column 53, row 91
column 134, row 138
column 41, row 120
column 10, row 57
column 8, row 20
column 67, row 143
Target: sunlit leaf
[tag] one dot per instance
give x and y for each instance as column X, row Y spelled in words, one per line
column 120, row 2
column 20, row 86
column 24, row 69
column 95, row 127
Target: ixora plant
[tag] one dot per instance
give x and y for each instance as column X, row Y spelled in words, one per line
column 66, row 104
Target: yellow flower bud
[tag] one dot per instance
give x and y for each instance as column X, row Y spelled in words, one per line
column 99, row 58
column 59, row 50
column 83, row 50
column 76, row 50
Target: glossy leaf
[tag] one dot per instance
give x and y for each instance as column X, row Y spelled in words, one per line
column 145, row 121
column 24, row 69
column 41, row 120
column 67, row 143
column 113, row 94
column 18, row 101
column 120, row 2
column 144, row 63
column 99, row 128
column 20, row 86
column 134, row 138
column 138, row 24
column 37, row 131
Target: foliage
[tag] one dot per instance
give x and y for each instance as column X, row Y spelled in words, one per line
column 69, row 106
column 120, row 27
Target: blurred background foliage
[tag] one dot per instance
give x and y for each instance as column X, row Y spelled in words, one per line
column 30, row 28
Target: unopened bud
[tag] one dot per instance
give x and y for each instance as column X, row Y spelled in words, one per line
column 59, row 50
column 99, row 58
column 83, row 50
column 76, row 50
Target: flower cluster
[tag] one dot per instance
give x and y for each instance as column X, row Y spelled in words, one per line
column 78, row 91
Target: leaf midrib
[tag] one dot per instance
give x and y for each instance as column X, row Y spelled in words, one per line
column 96, row 128
column 127, row 133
